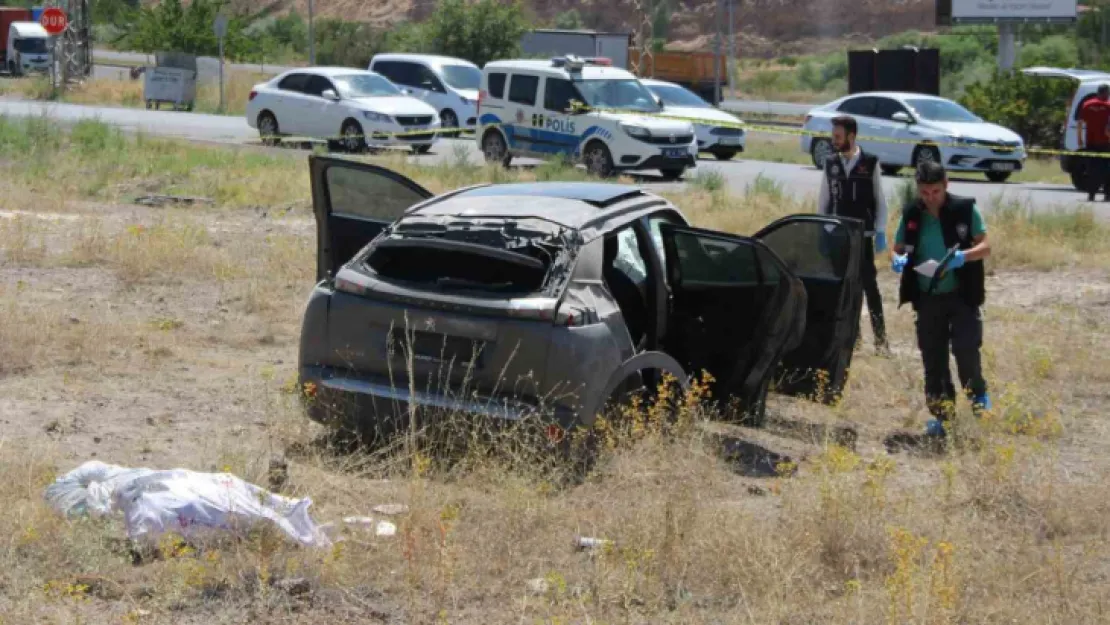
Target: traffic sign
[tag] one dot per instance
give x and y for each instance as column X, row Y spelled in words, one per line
column 54, row 20
column 220, row 26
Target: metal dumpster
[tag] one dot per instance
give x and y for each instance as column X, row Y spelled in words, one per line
column 172, row 80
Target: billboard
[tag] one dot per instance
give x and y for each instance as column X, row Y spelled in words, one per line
column 992, row 11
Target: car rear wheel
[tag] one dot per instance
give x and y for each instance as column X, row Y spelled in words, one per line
column 998, row 176
column 820, row 151
column 598, row 160
column 268, row 128
column 494, row 149
column 353, row 138
column 925, row 154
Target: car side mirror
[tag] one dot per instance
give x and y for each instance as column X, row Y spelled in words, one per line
column 902, row 116
column 330, row 94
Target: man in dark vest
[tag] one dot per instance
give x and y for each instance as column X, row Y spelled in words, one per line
column 950, row 230
column 852, row 187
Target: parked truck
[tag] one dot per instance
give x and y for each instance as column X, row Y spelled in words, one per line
column 696, row 71
column 24, row 43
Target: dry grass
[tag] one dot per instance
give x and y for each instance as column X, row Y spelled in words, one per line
column 167, row 337
column 129, row 93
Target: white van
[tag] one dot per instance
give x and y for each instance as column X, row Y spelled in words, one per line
column 28, row 48
column 448, row 84
column 526, row 109
column 1086, row 84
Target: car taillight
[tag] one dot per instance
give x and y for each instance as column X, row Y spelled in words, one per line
column 253, row 93
column 481, row 96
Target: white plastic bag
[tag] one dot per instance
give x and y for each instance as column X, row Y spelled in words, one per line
column 180, row 501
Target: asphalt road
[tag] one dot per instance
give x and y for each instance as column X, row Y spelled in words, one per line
column 802, row 181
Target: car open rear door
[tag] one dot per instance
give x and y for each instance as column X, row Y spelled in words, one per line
column 735, row 310
column 353, row 202
column 825, row 254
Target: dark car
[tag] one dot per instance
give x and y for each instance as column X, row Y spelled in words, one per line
column 546, row 298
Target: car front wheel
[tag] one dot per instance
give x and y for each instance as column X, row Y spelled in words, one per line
column 494, row 149
column 268, row 128
column 820, row 152
column 925, row 154
column 598, row 160
column 998, row 176
column 353, row 137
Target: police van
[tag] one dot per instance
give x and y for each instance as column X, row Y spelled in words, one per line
column 584, row 109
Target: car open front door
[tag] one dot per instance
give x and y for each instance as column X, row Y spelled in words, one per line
column 354, row 202
column 735, row 310
column 825, row 254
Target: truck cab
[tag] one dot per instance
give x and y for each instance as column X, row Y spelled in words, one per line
column 28, row 48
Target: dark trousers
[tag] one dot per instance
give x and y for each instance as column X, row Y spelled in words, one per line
column 1097, row 171
column 871, row 290
column 942, row 320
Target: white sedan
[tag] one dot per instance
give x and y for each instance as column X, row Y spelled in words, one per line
column 352, row 109
column 724, row 142
column 904, row 129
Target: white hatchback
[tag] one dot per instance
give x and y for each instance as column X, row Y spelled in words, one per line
column 352, row 109
column 716, row 130
column 904, row 129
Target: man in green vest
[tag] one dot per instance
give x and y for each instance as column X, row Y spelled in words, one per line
column 948, row 230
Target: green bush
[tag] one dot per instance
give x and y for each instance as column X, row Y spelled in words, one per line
column 170, row 25
column 1034, row 108
column 479, row 32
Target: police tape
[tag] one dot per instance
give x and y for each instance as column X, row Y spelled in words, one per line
column 375, row 138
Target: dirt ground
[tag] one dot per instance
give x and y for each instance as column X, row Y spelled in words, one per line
column 167, row 337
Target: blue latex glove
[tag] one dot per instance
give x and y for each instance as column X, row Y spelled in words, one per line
column 898, row 262
column 880, row 241
column 957, row 260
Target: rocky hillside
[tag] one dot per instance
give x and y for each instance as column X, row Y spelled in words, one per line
column 764, row 27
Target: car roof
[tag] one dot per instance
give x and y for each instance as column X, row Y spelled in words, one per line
column 573, row 205
column 898, row 95
column 659, row 83
column 434, row 59
column 545, row 67
column 328, row 71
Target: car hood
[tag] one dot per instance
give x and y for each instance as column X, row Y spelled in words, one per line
column 393, row 105
column 655, row 125
column 702, row 115
column 982, row 131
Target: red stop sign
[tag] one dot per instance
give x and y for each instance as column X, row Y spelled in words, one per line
column 54, row 20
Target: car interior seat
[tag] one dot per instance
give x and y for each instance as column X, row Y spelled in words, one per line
column 624, row 289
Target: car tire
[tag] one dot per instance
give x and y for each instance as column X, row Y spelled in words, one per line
column 890, row 170
column 421, row 149
column 268, row 128
column 353, row 137
column 819, row 152
column 598, row 160
column 924, row 153
column 494, row 148
column 998, row 176
column 448, row 119
column 672, row 174
column 725, row 155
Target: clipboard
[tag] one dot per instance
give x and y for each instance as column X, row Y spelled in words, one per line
column 942, row 268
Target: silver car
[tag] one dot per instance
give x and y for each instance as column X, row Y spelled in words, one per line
column 548, row 299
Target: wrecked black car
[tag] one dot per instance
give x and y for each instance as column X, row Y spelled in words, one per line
column 521, row 299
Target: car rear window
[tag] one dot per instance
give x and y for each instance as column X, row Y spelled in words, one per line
column 497, row 86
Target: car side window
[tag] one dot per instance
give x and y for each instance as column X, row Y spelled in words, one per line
column 496, row 84
column 522, row 89
column 558, row 93
column 654, row 223
column 629, row 260
column 858, row 106
column 294, row 82
column 427, row 79
column 885, row 108
column 317, row 85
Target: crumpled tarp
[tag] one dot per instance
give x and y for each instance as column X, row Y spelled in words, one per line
column 181, row 501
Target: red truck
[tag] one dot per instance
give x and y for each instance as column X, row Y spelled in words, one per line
column 7, row 16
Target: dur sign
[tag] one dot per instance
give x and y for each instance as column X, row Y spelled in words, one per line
column 1009, row 10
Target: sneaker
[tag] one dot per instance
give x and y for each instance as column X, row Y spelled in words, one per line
column 981, row 403
column 935, row 428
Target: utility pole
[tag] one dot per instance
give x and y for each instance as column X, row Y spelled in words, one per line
column 311, row 36
column 717, row 59
column 731, row 65
column 1006, row 45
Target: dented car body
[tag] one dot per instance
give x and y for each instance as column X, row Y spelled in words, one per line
column 544, row 299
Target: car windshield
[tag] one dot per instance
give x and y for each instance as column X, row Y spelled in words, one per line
column 364, row 86
column 31, row 46
column 624, row 93
column 462, row 76
column 677, row 96
column 942, row 111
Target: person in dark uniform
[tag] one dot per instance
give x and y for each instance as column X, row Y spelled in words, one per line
column 949, row 229
column 852, row 187
column 1094, row 137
